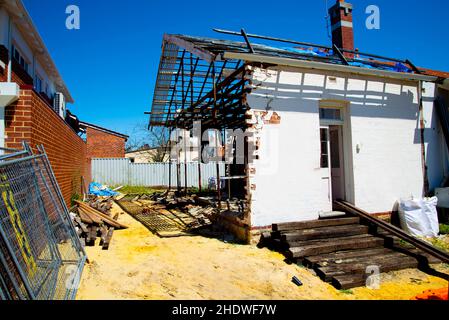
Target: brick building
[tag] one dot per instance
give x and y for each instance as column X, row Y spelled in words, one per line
column 102, row 142
column 33, row 99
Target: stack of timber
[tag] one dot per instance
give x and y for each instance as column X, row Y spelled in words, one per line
column 91, row 223
column 102, row 204
column 340, row 250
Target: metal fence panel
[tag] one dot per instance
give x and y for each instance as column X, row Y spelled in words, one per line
column 123, row 172
column 41, row 256
column 111, row 171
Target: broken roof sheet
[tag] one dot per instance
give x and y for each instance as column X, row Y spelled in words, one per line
column 201, row 77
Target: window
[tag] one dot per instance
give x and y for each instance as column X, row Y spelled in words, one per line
column 19, row 58
column 38, row 84
column 330, row 114
column 324, row 138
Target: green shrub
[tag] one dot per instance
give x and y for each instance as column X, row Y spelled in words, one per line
column 444, row 228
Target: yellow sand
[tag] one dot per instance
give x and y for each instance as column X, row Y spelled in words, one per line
column 139, row 265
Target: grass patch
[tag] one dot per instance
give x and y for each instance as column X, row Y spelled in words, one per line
column 138, row 190
column 346, row 291
column 444, row 228
column 442, row 244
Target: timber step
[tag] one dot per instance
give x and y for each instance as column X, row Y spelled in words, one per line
column 386, row 263
column 347, row 278
column 335, row 257
column 299, row 243
column 325, row 232
column 314, row 224
column 331, row 246
column 342, row 250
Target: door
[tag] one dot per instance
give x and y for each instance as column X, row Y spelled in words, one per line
column 337, row 162
column 326, row 183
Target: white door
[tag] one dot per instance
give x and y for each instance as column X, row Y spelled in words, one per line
column 326, row 182
column 336, row 162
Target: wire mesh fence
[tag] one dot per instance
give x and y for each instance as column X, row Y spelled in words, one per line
column 41, row 256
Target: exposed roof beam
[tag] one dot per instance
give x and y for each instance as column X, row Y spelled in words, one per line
column 327, row 66
column 189, row 46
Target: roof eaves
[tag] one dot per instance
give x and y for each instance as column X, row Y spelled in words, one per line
column 93, row 126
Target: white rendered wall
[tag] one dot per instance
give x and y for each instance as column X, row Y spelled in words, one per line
column 386, row 148
column 32, row 59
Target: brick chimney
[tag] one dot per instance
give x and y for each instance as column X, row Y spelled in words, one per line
column 341, row 24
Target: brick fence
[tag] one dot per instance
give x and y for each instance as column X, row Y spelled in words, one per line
column 31, row 119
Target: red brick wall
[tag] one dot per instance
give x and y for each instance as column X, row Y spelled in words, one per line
column 342, row 37
column 101, row 144
column 32, row 119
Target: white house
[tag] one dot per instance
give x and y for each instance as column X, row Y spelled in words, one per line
column 326, row 123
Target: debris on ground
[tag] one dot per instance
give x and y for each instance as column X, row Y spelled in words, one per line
column 100, row 190
column 142, row 266
column 169, row 214
column 436, row 294
column 173, row 214
column 93, row 219
column 296, row 281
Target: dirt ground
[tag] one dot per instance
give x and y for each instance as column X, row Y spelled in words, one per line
column 139, row 265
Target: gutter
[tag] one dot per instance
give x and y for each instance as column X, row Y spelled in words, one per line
column 327, row 66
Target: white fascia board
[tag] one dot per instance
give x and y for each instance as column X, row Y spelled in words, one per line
column 327, row 66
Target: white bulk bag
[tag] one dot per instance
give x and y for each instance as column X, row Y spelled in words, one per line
column 419, row 217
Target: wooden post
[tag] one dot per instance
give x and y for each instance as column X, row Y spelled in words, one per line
column 218, row 172
column 185, row 160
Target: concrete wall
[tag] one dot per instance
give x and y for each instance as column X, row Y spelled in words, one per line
column 385, row 147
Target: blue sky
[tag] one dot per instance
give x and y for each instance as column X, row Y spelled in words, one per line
column 110, row 64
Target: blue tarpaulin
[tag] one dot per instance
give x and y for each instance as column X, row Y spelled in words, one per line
column 98, row 189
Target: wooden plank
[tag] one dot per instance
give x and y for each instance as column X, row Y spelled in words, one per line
column 352, row 280
column 104, row 232
column 424, row 246
column 313, row 260
column 104, row 217
column 84, row 217
column 314, row 224
column 95, row 219
column 385, row 265
column 342, row 263
column 292, row 244
column 108, row 238
column 92, row 235
column 325, row 232
column 81, row 225
column 304, row 251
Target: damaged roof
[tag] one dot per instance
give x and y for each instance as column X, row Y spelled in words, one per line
column 204, row 79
